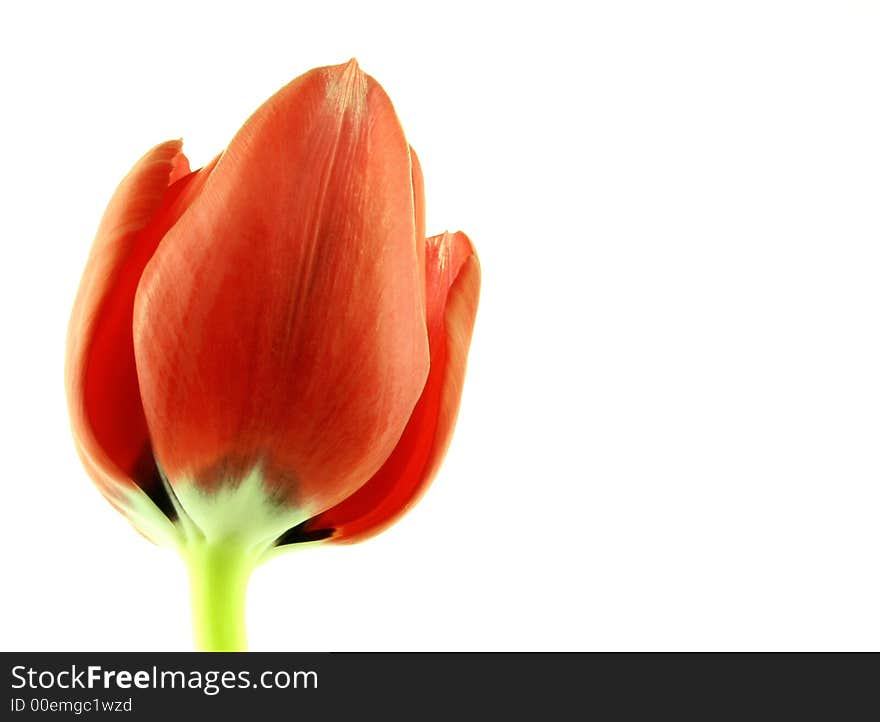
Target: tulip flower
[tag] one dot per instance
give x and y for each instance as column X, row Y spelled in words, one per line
column 268, row 352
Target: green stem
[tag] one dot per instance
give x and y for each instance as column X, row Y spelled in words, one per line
column 219, row 575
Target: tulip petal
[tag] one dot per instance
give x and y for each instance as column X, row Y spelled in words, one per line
column 453, row 287
column 104, row 402
column 279, row 327
column 418, row 186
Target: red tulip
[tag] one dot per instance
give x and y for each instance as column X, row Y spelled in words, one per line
column 267, row 351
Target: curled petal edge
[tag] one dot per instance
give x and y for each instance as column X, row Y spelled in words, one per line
column 453, row 287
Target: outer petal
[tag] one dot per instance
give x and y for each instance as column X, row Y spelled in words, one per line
column 418, row 185
column 279, row 332
column 102, row 390
column 453, row 287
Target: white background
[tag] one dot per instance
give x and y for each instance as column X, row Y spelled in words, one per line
column 669, row 433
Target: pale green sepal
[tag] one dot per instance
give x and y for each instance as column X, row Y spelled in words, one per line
column 148, row 519
column 246, row 511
